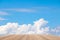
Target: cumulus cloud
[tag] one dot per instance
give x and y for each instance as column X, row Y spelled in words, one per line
column 15, row 28
column 38, row 27
column 3, row 13
column 56, row 31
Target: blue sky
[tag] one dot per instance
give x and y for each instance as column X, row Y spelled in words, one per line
column 27, row 11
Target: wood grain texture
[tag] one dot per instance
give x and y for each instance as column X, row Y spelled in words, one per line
column 30, row 37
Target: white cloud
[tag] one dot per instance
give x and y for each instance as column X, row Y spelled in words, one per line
column 20, row 10
column 3, row 13
column 24, row 10
column 1, row 19
column 56, row 31
column 39, row 27
column 3, row 30
column 38, row 24
column 15, row 28
column 35, row 9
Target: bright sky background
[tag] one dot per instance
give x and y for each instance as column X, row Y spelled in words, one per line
column 27, row 11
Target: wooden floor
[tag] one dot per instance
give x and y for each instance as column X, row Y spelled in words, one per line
column 30, row 37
